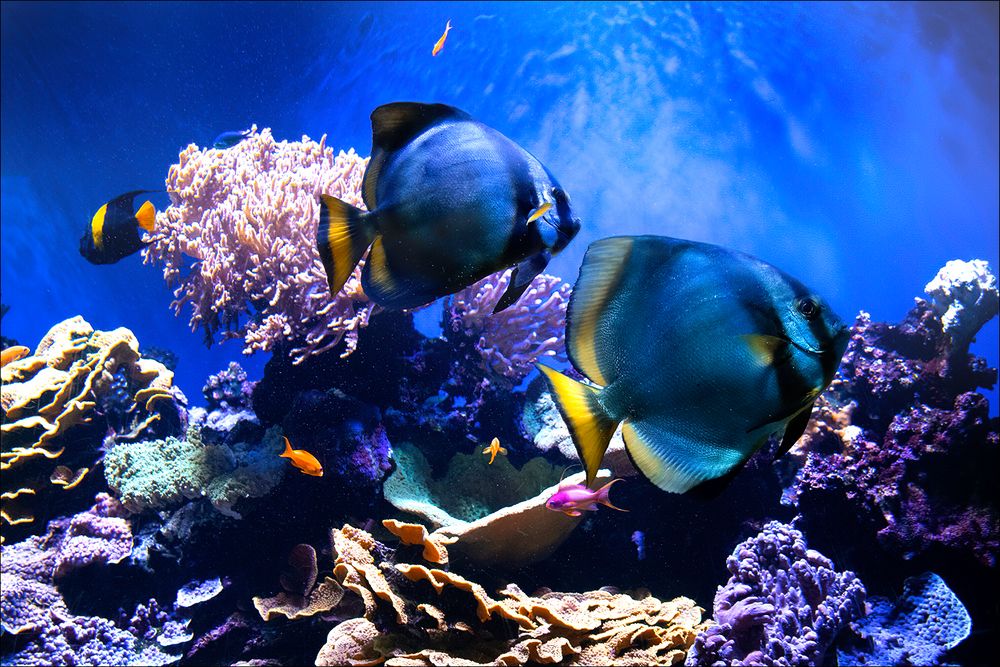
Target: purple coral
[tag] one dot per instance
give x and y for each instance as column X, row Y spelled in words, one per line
column 912, row 459
column 229, row 389
column 508, row 343
column 783, row 605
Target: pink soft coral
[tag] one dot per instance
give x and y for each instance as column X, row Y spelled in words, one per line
column 248, row 216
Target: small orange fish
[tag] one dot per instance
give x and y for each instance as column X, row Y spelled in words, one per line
column 440, row 43
column 494, row 449
column 302, row 460
column 13, row 353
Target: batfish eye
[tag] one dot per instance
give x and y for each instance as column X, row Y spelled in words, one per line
column 559, row 195
column 808, row 307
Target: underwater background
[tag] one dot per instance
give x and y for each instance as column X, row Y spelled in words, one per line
column 853, row 145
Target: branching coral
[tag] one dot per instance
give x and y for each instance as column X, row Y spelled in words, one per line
column 59, row 387
column 248, row 216
column 783, row 605
column 511, row 341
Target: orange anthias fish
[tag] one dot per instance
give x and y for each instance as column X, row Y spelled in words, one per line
column 574, row 499
column 440, row 43
column 494, row 449
column 302, row 460
column 13, row 353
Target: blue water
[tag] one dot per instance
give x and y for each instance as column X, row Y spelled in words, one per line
column 853, row 145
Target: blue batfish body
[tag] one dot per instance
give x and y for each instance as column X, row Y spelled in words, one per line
column 229, row 139
column 449, row 201
column 702, row 352
column 114, row 231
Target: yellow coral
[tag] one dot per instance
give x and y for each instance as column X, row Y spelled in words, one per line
column 55, row 389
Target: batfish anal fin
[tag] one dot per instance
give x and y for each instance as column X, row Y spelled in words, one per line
column 521, row 277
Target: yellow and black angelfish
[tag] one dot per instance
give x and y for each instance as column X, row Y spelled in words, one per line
column 113, row 232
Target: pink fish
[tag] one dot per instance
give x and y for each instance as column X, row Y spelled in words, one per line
column 573, row 499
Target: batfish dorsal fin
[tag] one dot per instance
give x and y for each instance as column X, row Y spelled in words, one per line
column 602, row 270
column 394, row 125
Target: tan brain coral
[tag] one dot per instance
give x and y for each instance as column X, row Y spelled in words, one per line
column 57, row 388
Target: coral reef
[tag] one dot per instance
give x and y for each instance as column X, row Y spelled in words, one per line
column 160, row 473
column 229, row 389
column 925, row 622
column 52, row 411
column 965, row 296
column 904, row 443
column 455, row 621
column 784, row 604
column 248, row 216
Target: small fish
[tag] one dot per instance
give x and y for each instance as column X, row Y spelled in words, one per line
column 113, row 232
column 13, row 353
column 702, row 352
column 639, row 540
column 574, row 499
column 440, row 43
column 450, row 201
column 495, row 449
column 302, row 460
column 230, row 139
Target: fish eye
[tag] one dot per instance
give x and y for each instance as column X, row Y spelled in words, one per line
column 560, row 195
column 809, row 307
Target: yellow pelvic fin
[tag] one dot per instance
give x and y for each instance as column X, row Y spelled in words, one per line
column 146, row 216
column 97, row 227
column 343, row 235
column 588, row 423
column 765, row 348
column 503, row 450
column 540, row 211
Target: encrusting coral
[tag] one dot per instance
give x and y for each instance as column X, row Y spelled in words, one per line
column 248, row 215
column 60, row 387
column 504, row 523
column 160, row 473
column 925, row 622
column 443, row 618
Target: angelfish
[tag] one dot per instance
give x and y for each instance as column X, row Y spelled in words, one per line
column 449, row 201
column 700, row 352
column 114, row 231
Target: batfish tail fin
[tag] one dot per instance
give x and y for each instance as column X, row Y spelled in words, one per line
column 589, row 423
column 344, row 233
